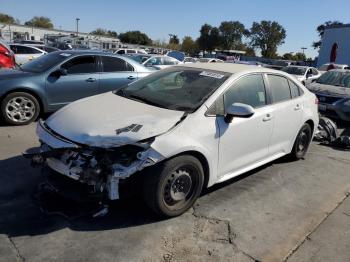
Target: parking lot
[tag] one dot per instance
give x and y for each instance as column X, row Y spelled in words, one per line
column 295, row 211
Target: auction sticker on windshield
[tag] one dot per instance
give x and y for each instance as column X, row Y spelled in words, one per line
column 211, row 74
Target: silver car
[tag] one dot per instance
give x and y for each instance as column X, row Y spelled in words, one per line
column 333, row 92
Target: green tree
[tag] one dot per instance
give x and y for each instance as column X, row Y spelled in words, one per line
column 288, row 56
column 189, row 46
column 267, row 35
column 135, row 37
column 214, row 39
column 174, row 40
column 104, row 32
column 204, row 38
column 40, row 21
column 320, row 29
column 299, row 56
column 7, row 19
column 231, row 34
column 249, row 51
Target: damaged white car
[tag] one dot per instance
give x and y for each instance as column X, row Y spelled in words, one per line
column 178, row 131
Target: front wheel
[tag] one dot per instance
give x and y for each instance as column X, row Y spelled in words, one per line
column 172, row 187
column 302, row 142
column 19, row 108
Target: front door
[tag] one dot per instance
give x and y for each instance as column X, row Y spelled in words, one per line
column 245, row 141
column 82, row 80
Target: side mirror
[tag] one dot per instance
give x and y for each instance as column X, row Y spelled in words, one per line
column 238, row 110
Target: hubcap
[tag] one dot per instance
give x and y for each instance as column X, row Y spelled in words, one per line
column 178, row 187
column 303, row 140
column 20, row 109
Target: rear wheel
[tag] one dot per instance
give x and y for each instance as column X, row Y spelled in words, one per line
column 302, row 142
column 19, row 108
column 172, row 187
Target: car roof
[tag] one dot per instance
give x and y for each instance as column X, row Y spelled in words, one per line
column 339, row 70
column 298, row 66
column 231, row 68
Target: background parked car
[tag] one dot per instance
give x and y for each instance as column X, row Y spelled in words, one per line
column 331, row 66
column 190, row 60
column 140, row 58
column 47, row 49
column 25, row 53
column 209, row 60
column 130, row 51
column 7, row 57
column 333, row 92
column 56, row 79
column 161, row 62
column 304, row 74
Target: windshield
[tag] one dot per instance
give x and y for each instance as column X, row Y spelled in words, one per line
column 335, row 78
column 179, row 88
column 294, row 70
column 45, row 62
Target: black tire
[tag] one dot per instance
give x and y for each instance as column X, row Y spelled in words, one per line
column 302, row 142
column 173, row 186
column 27, row 112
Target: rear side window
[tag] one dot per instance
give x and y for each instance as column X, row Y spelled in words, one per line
column 131, row 51
column 248, row 90
column 80, row 65
column 294, row 89
column 279, row 88
column 121, row 52
column 114, row 64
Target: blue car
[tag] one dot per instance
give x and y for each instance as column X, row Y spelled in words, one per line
column 56, row 79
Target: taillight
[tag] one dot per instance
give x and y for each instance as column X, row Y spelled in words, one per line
column 316, row 100
column 4, row 50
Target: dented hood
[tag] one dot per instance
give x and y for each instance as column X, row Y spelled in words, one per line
column 109, row 120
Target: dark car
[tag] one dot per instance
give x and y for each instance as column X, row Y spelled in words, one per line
column 56, row 79
column 7, row 57
column 333, row 92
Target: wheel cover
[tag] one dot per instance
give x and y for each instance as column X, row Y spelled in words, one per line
column 179, row 188
column 20, row 109
column 303, row 141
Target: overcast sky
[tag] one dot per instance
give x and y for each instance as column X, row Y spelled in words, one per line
column 184, row 17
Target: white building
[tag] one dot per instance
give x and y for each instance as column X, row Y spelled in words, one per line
column 335, row 47
column 12, row 33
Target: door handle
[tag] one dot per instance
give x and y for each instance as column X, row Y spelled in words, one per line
column 268, row 117
column 297, row 107
column 91, row 80
column 131, row 77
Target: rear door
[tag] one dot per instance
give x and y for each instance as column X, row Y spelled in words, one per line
column 115, row 73
column 287, row 113
column 81, row 81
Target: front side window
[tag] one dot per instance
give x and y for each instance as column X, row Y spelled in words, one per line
column 114, row 64
column 179, row 88
column 80, row 65
column 121, row 52
column 248, row 90
column 279, row 88
column 314, row 71
column 131, row 51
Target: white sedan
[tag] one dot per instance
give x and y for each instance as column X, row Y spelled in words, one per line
column 178, row 131
column 25, row 53
column 161, row 61
column 304, row 74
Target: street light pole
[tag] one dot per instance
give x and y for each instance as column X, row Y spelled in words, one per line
column 303, row 48
column 77, row 19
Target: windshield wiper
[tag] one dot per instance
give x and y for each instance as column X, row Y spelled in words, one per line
column 144, row 100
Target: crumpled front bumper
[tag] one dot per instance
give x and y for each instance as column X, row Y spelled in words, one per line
column 87, row 165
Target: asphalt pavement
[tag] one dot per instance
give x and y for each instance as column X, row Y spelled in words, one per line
column 294, row 211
